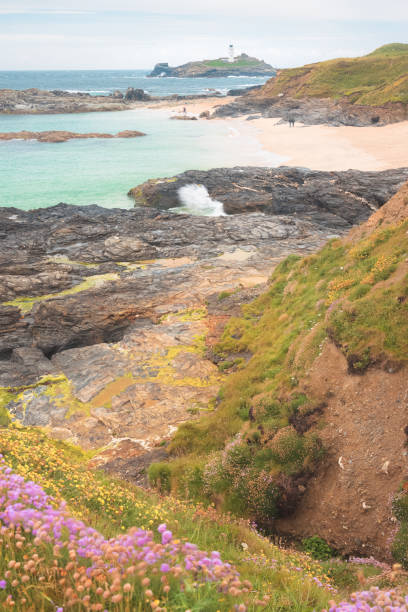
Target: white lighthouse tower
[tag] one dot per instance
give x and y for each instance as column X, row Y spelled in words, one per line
column 231, row 54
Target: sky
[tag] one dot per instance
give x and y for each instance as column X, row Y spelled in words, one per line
column 126, row 34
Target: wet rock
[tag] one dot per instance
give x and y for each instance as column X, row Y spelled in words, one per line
column 334, row 200
column 136, row 94
column 38, row 101
column 62, row 136
column 314, row 111
column 184, row 117
column 118, row 310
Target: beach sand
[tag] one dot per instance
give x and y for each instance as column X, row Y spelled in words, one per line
column 319, row 147
column 322, row 147
column 193, row 107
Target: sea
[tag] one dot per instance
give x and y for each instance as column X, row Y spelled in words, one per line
column 97, row 171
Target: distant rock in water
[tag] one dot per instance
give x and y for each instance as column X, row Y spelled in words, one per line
column 184, row 117
column 136, row 94
column 243, row 65
column 63, row 136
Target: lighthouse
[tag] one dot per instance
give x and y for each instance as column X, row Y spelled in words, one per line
column 231, row 57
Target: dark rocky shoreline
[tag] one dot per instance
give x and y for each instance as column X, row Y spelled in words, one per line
column 335, row 200
column 36, row 101
column 314, row 111
column 107, row 316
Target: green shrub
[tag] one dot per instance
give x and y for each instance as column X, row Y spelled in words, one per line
column 400, row 543
column 317, row 548
column 342, row 574
column 160, row 477
column 400, row 546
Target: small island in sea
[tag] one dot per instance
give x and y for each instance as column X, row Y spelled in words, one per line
column 233, row 65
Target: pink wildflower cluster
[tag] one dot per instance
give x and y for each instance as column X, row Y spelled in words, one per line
column 374, row 600
column 88, row 568
column 369, row 561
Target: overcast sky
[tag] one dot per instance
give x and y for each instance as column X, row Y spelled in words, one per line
column 86, row 34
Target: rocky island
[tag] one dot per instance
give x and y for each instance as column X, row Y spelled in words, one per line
column 243, row 65
column 63, row 136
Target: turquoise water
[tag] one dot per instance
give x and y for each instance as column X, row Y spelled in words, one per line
column 34, row 174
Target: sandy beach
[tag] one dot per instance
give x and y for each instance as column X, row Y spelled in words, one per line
column 193, row 107
column 319, row 147
column 322, row 147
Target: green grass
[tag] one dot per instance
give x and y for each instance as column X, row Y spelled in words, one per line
column 374, row 79
column 236, row 65
column 351, row 294
column 113, row 506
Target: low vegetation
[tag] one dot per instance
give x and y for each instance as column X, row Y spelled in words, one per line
column 76, row 539
column 254, row 453
column 374, row 79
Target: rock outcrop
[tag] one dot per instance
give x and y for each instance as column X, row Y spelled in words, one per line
column 107, row 315
column 313, row 111
column 368, row 90
column 243, row 65
column 103, row 317
column 63, row 136
column 136, row 94
column 38, row 101
column 335, row 200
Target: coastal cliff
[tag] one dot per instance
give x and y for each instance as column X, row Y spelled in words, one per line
column 368, row 90
column 243, row 65
column 309, row 435
column 116, row 303
column 255, row 361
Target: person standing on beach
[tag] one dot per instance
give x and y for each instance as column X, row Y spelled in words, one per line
column 291, row 120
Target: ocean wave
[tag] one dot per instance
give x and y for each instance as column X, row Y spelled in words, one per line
column 195, row 199
column 90, row 91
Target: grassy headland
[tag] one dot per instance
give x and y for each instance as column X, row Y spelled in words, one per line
column 374, row 79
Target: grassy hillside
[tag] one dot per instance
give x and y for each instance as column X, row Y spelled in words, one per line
column 242, row 61
column 253, row 454
column 74, row 539
column 116, row 547
column 37, row 574
column 374, row 79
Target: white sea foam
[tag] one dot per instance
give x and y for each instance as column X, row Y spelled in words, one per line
column 90, row 91
column 233, row 132
column 194, row 199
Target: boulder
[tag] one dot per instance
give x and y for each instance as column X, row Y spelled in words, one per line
column 133, row 94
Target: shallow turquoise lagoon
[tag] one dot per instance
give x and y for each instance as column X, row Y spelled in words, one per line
column 98, row 171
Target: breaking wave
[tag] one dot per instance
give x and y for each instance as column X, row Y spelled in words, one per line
column 195, row 200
